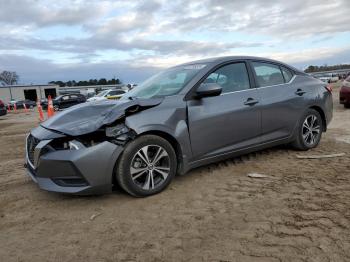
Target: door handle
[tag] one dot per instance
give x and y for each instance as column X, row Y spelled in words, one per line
column 251, row 101
column 300, row 92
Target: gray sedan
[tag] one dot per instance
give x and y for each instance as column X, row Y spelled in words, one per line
column 184, row 117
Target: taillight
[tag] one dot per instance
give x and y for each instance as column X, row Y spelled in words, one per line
column 329, row 88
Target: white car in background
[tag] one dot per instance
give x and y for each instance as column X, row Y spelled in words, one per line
column 328, row 78
column 108, row 94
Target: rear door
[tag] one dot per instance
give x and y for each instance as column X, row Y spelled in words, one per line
column 281, row 101
column 227, row 122
column 73, row 100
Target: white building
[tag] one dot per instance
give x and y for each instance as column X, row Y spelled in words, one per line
column 31, row 92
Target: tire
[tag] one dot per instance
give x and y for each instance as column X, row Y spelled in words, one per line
column 306, row 139
column 347, row 105
column 156, row 174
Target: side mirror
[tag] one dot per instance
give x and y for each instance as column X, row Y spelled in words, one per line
column 208, row 89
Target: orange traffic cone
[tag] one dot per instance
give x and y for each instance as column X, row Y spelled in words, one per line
column 15, row 107
column 40, row 110
column 50, row 109
column 8, row 108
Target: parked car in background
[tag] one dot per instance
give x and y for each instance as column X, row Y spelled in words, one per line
column 344, row 94
column 108, row 94
column 3, row 110
column 20, row 103
column 184, row 117
column 327, row 77
column 65, row 101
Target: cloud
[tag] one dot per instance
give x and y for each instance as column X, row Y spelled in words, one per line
column 43, row 13
column 31, row 69
column 298, row 18
column 98, row 43
column 90, row 36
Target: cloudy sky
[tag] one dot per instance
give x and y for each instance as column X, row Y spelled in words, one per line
column 83, row 39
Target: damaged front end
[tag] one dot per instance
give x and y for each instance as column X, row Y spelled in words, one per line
column 120, row 134
column 75, row 152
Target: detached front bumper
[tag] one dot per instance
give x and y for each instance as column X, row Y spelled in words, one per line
column 88, row 170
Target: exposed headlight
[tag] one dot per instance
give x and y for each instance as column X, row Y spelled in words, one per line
column 75, row 145
column 115, row 131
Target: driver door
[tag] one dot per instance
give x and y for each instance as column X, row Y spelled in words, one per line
column 228, row 122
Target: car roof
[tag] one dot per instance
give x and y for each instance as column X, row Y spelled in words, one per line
column 223, row 59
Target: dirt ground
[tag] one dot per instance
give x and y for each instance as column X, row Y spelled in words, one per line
column 301, row 212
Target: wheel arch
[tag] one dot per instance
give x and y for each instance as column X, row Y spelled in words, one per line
column 323, row 116
column 173, row 142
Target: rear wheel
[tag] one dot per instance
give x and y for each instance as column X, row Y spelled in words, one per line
column 347, row 105
column 147, row 166
column 309, row 130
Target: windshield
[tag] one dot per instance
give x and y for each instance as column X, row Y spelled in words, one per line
column 57, row 98
column 165, row 83
column 102, row 93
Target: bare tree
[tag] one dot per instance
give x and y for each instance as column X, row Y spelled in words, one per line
column 9, row 78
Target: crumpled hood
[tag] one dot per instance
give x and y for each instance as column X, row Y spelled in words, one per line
column 88, row 117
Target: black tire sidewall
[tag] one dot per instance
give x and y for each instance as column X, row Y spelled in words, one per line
column 123, row 165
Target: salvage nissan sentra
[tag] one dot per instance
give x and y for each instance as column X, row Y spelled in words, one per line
column 184, row 117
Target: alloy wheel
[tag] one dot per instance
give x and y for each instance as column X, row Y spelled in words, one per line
column 311, row 130
column 150, row 167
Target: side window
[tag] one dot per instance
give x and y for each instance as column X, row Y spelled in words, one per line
column 73, row 97
column 112, row 93
column 287, row 74
column 65, row 98
column 232, row 77
column 268, row 74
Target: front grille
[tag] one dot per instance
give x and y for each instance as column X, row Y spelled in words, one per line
column 32, row 142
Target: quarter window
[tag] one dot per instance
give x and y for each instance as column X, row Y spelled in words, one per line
column 268, row 74
column 287, row 74
column 232, row 77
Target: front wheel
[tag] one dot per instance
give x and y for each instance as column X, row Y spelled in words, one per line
column 309, row 130
column 146, row 166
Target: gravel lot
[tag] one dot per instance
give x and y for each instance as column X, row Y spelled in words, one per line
column 215, row 213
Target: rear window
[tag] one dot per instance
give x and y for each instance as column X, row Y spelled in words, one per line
column 268, row 74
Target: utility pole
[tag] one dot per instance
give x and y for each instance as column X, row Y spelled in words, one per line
column 10, row 88
column 10, row 93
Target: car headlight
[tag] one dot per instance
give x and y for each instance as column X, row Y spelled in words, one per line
column 120, row 134
column 117, row 130
column 75, row 145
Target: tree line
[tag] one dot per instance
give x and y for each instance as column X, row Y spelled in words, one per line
column 313, row 69
column 91, row 82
